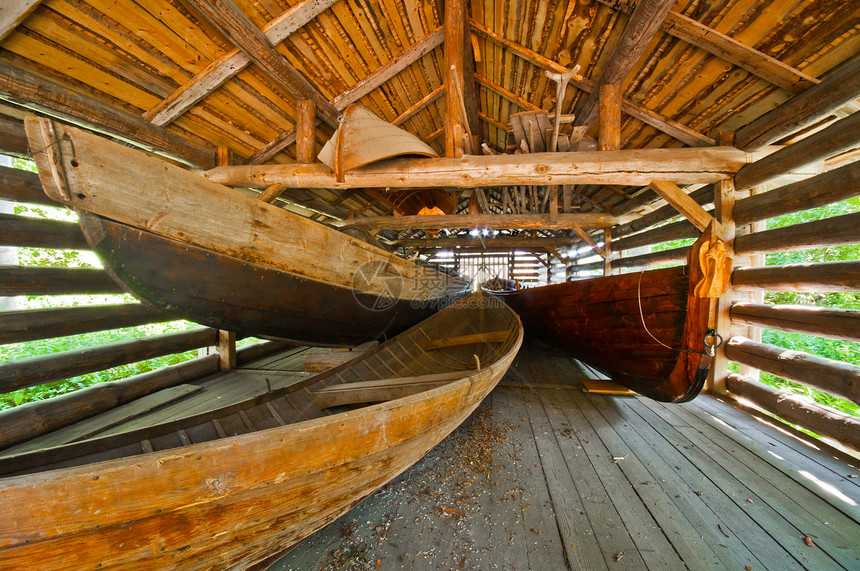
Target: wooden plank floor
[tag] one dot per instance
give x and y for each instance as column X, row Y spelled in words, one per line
column 544, row 476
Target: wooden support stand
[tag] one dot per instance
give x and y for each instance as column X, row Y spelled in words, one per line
column 605, row 387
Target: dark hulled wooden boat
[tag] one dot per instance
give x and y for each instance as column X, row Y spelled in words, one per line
column 227, row 474
column 226, row 259
column 646, row 330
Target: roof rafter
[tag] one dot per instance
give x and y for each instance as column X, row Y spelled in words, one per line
column 727, row 48
column 643, row 24
column 368, row 84
column 497, row 242
column 13, row 12
column 406, row 58
column 233, row 23
column 230, row 64
column 664, row 124
column 513, row 97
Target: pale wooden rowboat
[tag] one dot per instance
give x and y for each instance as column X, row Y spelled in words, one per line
column 207, row 501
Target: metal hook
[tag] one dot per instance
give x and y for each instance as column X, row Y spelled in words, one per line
column 712, row 347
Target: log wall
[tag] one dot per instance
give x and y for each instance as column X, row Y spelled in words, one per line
column 19, row 325
column 765, row 189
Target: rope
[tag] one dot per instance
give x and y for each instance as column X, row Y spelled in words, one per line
column 642, row 318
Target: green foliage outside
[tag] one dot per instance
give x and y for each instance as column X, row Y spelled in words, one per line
column 845, row 351
column 86, row 259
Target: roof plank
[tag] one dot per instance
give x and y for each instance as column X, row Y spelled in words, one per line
column 36, row 93
column 227, row 66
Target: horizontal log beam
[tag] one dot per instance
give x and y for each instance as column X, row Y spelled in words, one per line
column 19, row 326
column 40, row 417
column 840, row 87
column 832, row 323
column 672, row 256
column 24, row 232
column 499, row 221
column 19, row 185
column 835, row 231
column 33, row 92
column 499, row 242
column 797, row 410
column 26, row 280
column 636, row 167
column 829, row 187
column 674, row 231
column 43, row 369
column 841, row 136
column 823, row 277
column 833, row 377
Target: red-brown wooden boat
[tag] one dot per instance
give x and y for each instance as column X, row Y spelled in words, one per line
column 648, row 331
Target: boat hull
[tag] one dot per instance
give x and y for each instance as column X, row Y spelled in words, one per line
column 235, row 295
column 598, row 321
column 237, row 501
column 316, row 279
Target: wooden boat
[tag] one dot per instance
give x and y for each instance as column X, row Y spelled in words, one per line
column 193, row 485
column 648, row 331
column 225, row 259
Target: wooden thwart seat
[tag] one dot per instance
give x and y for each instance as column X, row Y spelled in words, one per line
column 383, row 389
column 491, row 337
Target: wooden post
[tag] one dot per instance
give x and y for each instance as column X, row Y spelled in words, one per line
column 609, row 117
column 306, row 132
column 607, row 247
column 755, row 260
column 724, row 203
column 224, row 156
column 473, row 204
column 226, row 347
column 567, row 196
column 226, row 350
column 456, row 140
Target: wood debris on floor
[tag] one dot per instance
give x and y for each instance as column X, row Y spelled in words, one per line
column 544, row 476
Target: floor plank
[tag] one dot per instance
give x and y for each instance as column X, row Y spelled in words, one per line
column 544, row 476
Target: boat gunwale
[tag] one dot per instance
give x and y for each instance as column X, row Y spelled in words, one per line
column 170, row 463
